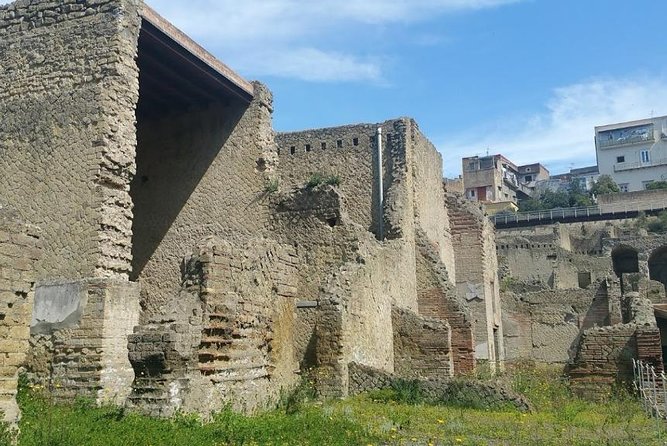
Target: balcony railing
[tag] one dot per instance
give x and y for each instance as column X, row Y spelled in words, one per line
column 620, row 167
column 603, row 143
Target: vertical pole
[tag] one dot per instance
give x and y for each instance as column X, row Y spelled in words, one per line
column 380, row 181
column 655, row 392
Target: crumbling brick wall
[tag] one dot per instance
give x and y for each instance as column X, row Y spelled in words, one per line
column 20, row 249
column 477, row 275
column 422, row 346
column 604, row 358
column 228, row 339
column 437, row 299
column 79, row 333
column 545, row 325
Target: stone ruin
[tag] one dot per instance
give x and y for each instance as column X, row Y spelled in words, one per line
column 161, row 247
column 588, row 296
column 187, row 257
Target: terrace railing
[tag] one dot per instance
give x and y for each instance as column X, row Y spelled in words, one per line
column 612, row 210
column 651, row 387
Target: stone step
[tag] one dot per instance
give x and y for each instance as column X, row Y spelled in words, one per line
column 230, row 367
column 230, row 354
column 216, row 340
column 219, row 379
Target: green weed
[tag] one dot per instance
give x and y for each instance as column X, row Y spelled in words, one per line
column 318, row 179
column 389, row 417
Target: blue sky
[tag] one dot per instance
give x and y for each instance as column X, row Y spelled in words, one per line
column 526, row 78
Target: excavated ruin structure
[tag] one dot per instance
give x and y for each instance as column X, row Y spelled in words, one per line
column 187, row 257
column 589, row 296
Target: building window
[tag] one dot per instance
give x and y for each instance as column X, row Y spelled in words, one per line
column 645, row 156
column 527, row 169
column 471, row 166
column 529, row 178
column 645, row 184
column 623, row 187
column 472, row 193
column 620, row 159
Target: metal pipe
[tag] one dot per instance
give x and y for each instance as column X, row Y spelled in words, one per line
column 380, row 185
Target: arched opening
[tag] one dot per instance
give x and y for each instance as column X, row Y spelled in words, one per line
column 625, row 260
column 657, row 265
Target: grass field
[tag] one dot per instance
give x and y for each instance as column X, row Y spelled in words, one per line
column 385, row 417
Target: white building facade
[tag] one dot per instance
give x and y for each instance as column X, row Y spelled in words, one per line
column 633, row 153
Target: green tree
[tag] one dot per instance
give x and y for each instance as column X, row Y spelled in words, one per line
column 579, row 197
column 655, row 185
column 558, row 199
column 605, row 185
column 531, row 204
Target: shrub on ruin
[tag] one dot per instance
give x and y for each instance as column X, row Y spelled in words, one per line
column 332, row 180
column 318, row 179
column 272, row 186
column 315, row 180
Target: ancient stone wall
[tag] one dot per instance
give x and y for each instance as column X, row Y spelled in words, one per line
column 431, row 211
column 213, row 164
column 351, row 313
column 79, row 332
column 67, row 134
column 555, row 260
column 545, row 325
column 422, row 346
column 478, row 394
column 228, row 339
column 20, row 249
column 348, row 153
column 437, row 299
column 477, row 275
column 582, row 294
column 355, row 311
column 315, row 222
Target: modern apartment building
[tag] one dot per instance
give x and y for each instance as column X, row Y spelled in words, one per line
column 633, row 153
column 585, row 176
column 530, row 174
column 498, row 182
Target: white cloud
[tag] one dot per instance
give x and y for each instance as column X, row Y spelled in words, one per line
column 314, row 40
column 564, row 132
column 311, row 64
column 294, row 38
